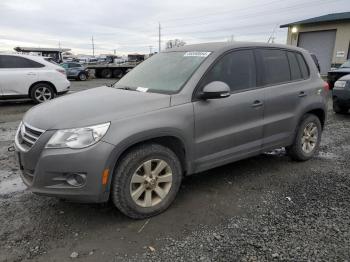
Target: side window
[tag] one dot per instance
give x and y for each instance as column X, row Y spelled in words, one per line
column 276, row 66
column 7, row 61
column 303, row 67
column 73, row 65
column 294, row 66
column 236, row 69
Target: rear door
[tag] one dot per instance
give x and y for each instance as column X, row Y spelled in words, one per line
column 17, row 74
column 74, row 69
column 282, row 75
column 229, row 128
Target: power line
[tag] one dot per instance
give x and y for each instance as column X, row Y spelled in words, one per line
column 216, row 13
column 255, row 14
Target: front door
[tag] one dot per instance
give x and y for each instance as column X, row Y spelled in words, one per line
column 231, row 128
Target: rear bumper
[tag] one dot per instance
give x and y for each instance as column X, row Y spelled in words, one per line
column 45, row 171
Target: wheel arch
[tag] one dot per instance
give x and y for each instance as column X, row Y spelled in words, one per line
column 173, row 142
column 41, row 82
column 320, row 113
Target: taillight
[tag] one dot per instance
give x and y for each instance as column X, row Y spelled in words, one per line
column 62, row 71
column 325, row 86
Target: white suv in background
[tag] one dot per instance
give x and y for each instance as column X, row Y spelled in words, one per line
column 31, row 76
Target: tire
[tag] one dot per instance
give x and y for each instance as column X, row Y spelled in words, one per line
column 117, row 73
column 42, row 92
column 297, row 151
column 339, row 109
column 123, row 183
column 106, row 73
column 82, row 77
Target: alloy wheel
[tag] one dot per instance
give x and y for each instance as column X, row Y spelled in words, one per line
column 42, row 94
column 151, row 182
column 309, row 138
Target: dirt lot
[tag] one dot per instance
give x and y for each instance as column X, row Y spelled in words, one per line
column 260, row 209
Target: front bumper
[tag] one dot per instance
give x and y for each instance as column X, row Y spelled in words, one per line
column 45, row 171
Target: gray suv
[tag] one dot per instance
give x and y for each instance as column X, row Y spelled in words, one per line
column 180, row 112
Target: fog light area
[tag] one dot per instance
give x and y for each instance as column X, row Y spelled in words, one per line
column 76, row 179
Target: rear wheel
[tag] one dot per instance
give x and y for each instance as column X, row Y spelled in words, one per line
column 117, row 73
column 41, row 93
column 146, row 181
column 106, row 73
column 307, row 139
column 339, row 109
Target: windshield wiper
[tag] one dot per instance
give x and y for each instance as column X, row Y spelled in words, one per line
column 126, row 88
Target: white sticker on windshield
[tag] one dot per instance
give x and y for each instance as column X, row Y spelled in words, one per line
column 196, row 53
column 142, row 89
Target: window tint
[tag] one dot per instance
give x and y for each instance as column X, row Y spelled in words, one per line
column 303, row 67
column 294, row 66
column 276, row 66
column 236, row 69
column 7, row 61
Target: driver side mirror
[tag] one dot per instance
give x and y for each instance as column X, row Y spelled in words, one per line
column 215, row 90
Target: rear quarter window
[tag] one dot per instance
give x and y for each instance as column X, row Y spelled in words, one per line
column 295, row 70
column 303, row 66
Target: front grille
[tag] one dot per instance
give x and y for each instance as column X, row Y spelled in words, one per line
column 28, row 135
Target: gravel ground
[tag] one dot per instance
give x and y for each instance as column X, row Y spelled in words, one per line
column 260, row 209
column 305, row 219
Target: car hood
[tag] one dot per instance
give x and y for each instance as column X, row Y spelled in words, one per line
column 93, row 106
column 341, row 70
column 345, row 78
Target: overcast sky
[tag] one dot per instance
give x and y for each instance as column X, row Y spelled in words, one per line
column 132, row 25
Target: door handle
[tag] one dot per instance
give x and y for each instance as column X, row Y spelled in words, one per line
column 257, row 103
column 31, row 74
column 302, row 94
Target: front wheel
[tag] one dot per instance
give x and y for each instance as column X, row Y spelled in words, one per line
column 146, row 181
column 307, row 139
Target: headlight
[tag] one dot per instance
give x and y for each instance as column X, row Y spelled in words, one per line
column 340, row 84
column 78, row 137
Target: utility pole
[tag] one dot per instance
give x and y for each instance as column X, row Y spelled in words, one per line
column 159, row 38
column 93, row 46
column 59, row 45
column 150, row 49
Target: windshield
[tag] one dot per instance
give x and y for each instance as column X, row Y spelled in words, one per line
column 164, row 72
column 346, row 64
